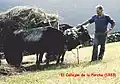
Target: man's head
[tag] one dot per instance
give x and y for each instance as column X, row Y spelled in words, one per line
column 99, row 10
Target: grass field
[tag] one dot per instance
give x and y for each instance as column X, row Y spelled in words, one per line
column 106, row 71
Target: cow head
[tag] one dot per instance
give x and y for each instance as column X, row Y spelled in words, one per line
column 83, row 34
column 76, row 36
column 64, row 27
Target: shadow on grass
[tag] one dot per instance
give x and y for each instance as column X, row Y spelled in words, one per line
column 61, row 66
column 89, row 63
column 7, row 70
column 43, row 67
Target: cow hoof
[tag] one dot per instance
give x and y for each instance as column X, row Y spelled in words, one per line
column 37, row 62
column 18, row 65
column 37, row 66
column 57, row 63
column 61, row 63
column 47, row 63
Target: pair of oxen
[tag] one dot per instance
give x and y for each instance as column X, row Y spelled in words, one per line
column 39, row 41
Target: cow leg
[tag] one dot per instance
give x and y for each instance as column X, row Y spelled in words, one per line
column 18, row 58
column 0, row 61
column 39, row 59
column 58, row 60
column 62, row 59
column 14, row 58
column 47, row 58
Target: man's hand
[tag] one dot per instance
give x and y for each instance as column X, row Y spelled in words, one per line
column 109, row 30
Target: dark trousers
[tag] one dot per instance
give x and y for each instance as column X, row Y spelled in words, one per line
column 99, row 39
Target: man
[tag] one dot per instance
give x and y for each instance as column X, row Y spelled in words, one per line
column 101, row 22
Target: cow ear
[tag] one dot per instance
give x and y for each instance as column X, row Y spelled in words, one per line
column 82, row 28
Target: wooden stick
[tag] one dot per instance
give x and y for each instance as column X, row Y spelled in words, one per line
column 78, row 55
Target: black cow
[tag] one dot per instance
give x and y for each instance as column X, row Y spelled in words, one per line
column 47, row 39
column 38, row 40
column 62, row 28
column 73, row 37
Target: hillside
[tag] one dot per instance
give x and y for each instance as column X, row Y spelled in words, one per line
column 70, row 11
column 110, row 64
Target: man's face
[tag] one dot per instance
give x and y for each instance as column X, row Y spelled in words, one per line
column 99, row 11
